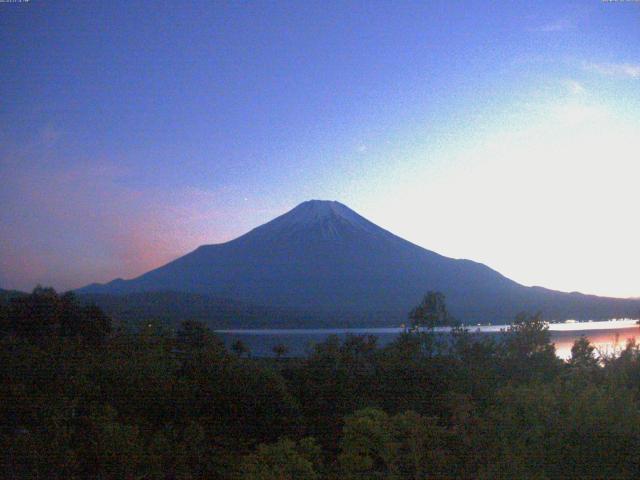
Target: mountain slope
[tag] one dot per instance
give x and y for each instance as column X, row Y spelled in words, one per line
column 322, row 256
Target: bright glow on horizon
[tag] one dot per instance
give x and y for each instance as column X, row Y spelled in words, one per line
column 548, row 199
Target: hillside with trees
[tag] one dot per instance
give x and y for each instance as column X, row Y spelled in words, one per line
column 84, row 398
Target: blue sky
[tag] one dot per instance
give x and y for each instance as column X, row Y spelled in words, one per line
column 504, row 132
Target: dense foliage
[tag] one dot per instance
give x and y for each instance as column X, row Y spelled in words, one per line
column 81, row 398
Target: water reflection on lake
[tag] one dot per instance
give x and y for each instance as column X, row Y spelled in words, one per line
column 607, row 341
column 608, row 337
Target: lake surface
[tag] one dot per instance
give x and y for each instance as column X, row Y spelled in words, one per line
column 607, row 336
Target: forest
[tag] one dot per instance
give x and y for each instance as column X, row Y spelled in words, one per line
column 83, row 397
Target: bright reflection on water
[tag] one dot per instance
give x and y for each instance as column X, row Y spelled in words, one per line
column 608, row 337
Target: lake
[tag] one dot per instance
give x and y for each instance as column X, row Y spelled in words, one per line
column 607, row 336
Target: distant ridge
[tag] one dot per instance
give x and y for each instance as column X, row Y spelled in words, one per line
column 323, row 257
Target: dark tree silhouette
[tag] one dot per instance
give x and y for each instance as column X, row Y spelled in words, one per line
column 583, row 354
column 192, row 334
column 280, row 350
column 96, row 326
column 431, row 312
column 44, row 314
column 239, row 348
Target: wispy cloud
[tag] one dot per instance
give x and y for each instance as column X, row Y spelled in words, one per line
column 620, row 70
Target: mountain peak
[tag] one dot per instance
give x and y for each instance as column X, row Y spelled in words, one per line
column 320, row 209
column 327, row 214
column 319, row 203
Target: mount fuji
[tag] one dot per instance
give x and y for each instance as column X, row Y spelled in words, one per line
column 323, row 257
